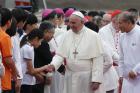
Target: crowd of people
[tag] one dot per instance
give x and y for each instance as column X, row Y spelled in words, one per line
column 69, row 51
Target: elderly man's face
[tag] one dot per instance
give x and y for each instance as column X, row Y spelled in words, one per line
column 123, row 25
column 75, row 23
column 115, row 23
column 106, row 19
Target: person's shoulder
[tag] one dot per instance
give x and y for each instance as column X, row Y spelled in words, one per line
column 106, row 27
column 91, row 32
column 4, row 36
column 65, row 35
column 44, row 44
column 27, row 47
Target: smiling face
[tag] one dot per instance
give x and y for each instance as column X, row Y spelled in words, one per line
column 76, row 23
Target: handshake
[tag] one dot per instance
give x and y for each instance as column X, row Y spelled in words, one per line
column 48, row 68
column 45, row 74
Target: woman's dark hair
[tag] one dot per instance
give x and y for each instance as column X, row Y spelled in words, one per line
column 12, row 30
column 31, row 19
column 46, row 26
column 32, row 35
column 23, row 41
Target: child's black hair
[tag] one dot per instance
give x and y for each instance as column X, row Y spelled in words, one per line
column 32, row 35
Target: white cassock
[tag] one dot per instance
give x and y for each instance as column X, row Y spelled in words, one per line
column 84, row 57
column 109, row 35
column 130, row 59
column 53, row 43
column 110, row 74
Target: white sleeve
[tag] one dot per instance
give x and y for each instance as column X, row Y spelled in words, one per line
column 57, row 61
column 16, row 55
column 16, row 50
column 28, row 53
column 97, row 69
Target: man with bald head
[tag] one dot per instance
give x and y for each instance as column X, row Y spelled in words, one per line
column 84, row 59
column 106, row 19
column 129, row 53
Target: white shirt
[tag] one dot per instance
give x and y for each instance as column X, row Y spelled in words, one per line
column 16, row 54
column 27, row 52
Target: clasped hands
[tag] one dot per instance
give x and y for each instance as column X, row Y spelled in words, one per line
column 49, row 68
column 46, row 75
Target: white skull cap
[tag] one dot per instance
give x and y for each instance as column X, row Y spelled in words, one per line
column 79, row 14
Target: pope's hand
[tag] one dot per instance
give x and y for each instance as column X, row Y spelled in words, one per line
column 50, row 68
column 95, row 85
column 132, row 75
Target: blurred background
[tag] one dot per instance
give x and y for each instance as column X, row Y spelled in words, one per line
column 36, row 5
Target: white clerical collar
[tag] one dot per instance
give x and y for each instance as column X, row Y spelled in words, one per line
column 132, row 31
column 82, row 30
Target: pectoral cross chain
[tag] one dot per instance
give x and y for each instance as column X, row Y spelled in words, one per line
column 75, row 53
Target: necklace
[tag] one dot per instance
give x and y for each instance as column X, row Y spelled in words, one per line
column 76, row 45
column 55, row 42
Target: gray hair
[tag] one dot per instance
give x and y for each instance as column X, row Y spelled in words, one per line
column 127, row 17
column 134, row 12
